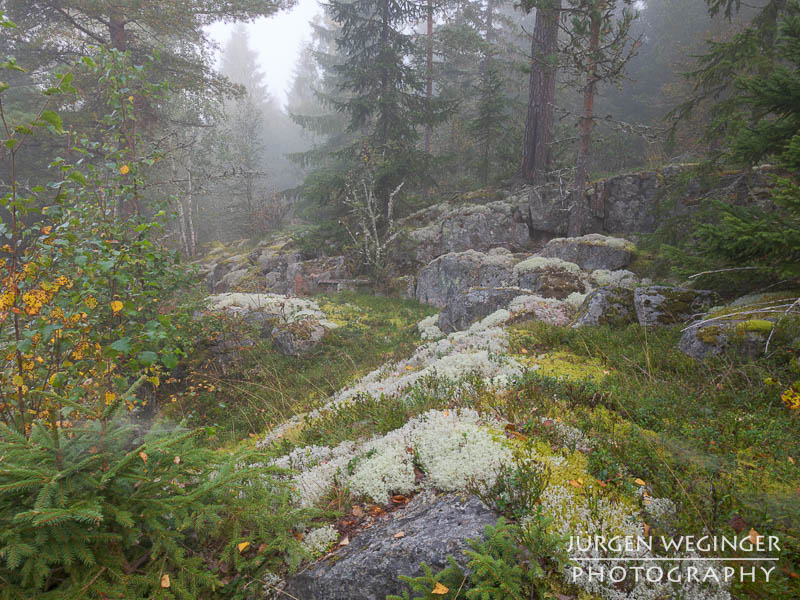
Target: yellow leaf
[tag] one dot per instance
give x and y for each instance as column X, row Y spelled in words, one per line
column 639, row 482
column 439, row 589
column 143, row 456
column 791, row 460
column 574, row 483
column 124, row 169
column 523, row 350
column 116, row 306
column 130, row 98
column 754, row 536
column 47, row 229
column 243, row 546
column 165, row 580
column 110, row 397
column 399, row 534
column 17, row 381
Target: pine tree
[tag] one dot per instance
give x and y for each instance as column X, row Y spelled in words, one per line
column 753, row 236
column 537, row 144
column 599, row 47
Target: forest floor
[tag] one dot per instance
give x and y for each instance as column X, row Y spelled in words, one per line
column 713, row 437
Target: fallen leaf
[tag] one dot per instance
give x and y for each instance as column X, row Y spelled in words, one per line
column 177, row 460
column 143, row 456
column 262, row 547
column 738, row 524
column 358, row 511
column 638, row 481
column 399, row 534
column 523, row 350
column 574, row 483
column 754, row 536
column 243, row 546
column 646, row 530
column 791, row 460
column 116, row 306
column 399, row 499
column 439, row 589
column 165, row 580
column 345, row 541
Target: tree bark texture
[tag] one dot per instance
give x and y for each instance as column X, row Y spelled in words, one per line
column 579, row 214
column 536, row 149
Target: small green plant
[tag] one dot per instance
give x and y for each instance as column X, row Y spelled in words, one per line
column 106, row 511
column 510, row 563
column 519, row 484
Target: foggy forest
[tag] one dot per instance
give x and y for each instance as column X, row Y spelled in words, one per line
column 400, row 299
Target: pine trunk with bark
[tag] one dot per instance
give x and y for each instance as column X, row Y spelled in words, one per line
column 536, row 149
column 579, row 215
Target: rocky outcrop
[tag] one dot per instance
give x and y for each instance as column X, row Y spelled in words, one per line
column 297, row 338
column 607, row 306
column 451, row 275
column 743, row 327
column 471, row 285
column 663, row 305
column 469, row 227
column 318, row 275
column 369, row 566
column 464, row 309
column 641, row 202
column 551, row 277
column 591, row 252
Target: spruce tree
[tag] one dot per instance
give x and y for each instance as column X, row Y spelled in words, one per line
column 753, row 236
column 385, row 98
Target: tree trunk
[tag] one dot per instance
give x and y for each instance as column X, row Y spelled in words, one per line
column 486, row 83
column 429, row 90
column 181, row 215
column 536, row 148
column 189, row 213
column 579, row 214
column 116, row 31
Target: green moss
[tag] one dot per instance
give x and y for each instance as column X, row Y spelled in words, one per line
column 755, row 326
column 709, row 335
column 564, row 365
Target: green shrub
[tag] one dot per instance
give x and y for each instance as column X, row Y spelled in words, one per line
column 104, row 511
column 511, row 563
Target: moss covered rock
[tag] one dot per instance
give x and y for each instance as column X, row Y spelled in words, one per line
column 663, row 305
column 593, row 251
column 297, row 338
column 742, row 328
column 607, row 306
column 551, row 277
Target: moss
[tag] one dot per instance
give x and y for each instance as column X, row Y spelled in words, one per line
column 564, row 365
column 755, row 326
column 537, row 263
column 709, row 335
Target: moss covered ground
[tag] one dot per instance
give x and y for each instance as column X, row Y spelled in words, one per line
column 713, row 437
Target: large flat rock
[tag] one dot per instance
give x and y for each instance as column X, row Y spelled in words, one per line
column 368, row 568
